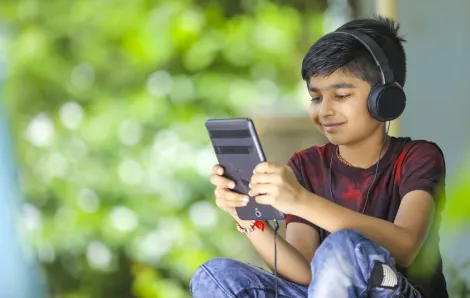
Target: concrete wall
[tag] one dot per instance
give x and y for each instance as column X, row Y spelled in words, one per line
column 438, row 86
column 438, row 83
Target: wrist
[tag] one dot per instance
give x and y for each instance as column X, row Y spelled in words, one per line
column 244, row 223
column 254, row 224
column 303, row 202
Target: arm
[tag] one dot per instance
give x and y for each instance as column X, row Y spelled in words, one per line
column 294, row 253
column 423, row 170
column 403, row 238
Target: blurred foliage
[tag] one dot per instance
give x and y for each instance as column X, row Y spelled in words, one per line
column 108, row 101
column 456, row 230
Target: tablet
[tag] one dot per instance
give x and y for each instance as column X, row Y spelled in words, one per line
column 238, row 150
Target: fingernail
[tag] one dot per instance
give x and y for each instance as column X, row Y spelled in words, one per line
column 254, row 171
column 231, row 185
column 249, row 193
column 219, row 171
column 245, row 199
column 249, row 185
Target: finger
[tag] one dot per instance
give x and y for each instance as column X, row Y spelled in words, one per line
column 263, row 178
column 218, row 170
column 229, row 204
column 232, row 196
column 223, row 193
column 267, row 167
column 265, row 199
column 222, row 182
column 261, row 189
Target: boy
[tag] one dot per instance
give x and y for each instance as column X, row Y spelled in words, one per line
column 362, row 215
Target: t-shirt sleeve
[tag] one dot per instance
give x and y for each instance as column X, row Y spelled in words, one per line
column 423, row 169
column 294, row 165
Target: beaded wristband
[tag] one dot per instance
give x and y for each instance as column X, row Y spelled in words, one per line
column 254, row 224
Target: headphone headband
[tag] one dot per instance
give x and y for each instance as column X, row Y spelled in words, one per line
column 376, row 52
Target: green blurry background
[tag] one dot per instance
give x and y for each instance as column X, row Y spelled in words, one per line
column 107, row 102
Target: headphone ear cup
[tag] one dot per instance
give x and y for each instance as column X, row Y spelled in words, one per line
column 372, row 104
column 386, row 102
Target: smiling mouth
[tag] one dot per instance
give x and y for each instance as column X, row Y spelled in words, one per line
column 331, row 126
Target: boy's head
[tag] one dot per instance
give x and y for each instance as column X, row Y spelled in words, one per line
column 340, row 72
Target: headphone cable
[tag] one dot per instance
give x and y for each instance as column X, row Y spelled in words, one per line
column 276, row 227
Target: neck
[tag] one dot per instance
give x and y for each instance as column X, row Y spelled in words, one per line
column 366, row 153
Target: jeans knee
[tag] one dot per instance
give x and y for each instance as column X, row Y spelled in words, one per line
column 343, row 236
column 220, row 264
column 206, row 275
column 350, row 245
column 340, row 242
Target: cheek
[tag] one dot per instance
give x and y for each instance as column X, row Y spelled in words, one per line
column 364, row 124
column 313, row 113
column 359, row 117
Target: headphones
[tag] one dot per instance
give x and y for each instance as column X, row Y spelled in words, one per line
column 386, row 100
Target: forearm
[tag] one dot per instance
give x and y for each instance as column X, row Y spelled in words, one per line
column 291, row 264
column 333, row 217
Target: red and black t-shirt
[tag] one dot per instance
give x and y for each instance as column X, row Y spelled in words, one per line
column 406, row 166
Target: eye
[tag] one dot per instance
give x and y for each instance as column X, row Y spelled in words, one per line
column 342, row 96
column 316, row 99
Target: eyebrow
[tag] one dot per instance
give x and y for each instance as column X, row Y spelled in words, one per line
column 334, row 86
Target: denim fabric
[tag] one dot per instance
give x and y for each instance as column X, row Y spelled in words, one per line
column 230, row 278
column 341, row 268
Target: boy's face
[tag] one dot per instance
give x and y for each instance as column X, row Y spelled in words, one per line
column 339, row 108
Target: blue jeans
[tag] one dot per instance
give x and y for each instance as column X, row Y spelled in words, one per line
column 341, row 268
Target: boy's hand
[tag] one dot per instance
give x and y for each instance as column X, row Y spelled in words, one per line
column 275, row 184
column 225, row 198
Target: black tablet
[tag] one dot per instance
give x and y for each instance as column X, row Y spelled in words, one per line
column 239, row 151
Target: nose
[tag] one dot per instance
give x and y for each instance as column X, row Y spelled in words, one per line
column 326, row 108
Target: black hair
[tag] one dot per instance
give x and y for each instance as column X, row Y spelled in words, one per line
column 335, row 51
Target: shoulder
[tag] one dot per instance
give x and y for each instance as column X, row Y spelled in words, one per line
column 421, row 166
column 422, row 153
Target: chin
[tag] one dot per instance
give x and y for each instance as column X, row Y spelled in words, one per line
column 336, row 140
